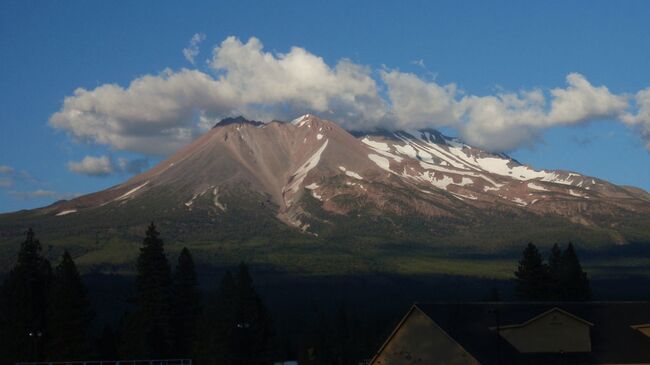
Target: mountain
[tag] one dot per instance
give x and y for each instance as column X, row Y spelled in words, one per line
column 308, row 187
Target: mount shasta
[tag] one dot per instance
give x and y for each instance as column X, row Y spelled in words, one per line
column 283, row 191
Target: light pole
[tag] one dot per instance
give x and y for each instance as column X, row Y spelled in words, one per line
column 35, row 336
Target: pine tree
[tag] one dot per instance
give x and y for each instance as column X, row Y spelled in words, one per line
column 532, row 276
column 23, row 304
column 574, row 283
column 253, row 330
column 213, row 341
column 69, row 314
column 554, row 268
column 235, row 328
column 147, row 332
column 186, row 304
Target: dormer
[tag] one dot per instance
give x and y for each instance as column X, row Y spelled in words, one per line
column 553, row 331
column 643, row 328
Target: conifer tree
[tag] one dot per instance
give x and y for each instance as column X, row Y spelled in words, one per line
column 253, row 330
column 235, row 328
column 554, row 268
column 574, row 283
column 186, row 304
column 213, row 341
column 147, row 332
column 23, row 304
column 532, row 276
column 69, row 314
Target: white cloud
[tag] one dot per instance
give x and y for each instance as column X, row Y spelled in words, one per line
column 92, row 166
column 501, row 122
column 105, row 166
column 156, row 114
column 642, row 119
column 192, row 49
column 581, row 101
column 419, row 104
column 297, row 82
column 4, row 169
column 504, row 121
column 153, row 115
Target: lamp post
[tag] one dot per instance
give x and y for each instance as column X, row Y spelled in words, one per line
column 35, row 337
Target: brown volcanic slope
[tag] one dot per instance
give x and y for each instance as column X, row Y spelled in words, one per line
column 312, row 179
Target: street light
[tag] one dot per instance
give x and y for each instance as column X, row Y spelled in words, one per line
column 35, row 336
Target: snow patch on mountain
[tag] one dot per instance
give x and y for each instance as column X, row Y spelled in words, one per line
column 191, row 201
column 376, row 145
column 130, row 192
column 215, row 199
column 536, row 187
column 302, row 172
column 577, row 194
column 66, row 212
column 380, row 161
column 350, row 173
column 300, row 121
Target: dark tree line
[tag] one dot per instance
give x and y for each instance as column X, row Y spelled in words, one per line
column 45, row 314
column 560, row 278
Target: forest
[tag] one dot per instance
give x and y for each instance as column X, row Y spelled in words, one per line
column 46, row 313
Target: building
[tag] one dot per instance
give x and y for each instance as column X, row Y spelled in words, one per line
column 520, row 333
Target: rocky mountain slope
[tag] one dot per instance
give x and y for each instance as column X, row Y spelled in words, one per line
column 311, row 180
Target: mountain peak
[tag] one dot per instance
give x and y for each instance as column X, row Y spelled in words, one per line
column 236, row 120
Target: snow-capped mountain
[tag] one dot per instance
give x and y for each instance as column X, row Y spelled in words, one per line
column 310, row 177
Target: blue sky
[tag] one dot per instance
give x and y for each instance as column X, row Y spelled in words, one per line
column 483, row 49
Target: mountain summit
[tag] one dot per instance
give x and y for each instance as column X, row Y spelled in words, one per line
column 309, row 177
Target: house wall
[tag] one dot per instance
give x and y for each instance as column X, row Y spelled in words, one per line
column 645, row 330
column 420, row 341
column 554, row 332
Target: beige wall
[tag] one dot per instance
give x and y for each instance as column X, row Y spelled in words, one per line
column 553, row 332
column 420, row 341
column 643, row 329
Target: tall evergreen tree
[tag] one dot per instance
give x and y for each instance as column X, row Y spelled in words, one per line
column 213, row 339
column 69, row 314
column 554, row 268
column 574, row 283
column 253, row 330
column 186, row 304
column 23, row 304
column 235, row 328
column 147, row 333
column 532, row 276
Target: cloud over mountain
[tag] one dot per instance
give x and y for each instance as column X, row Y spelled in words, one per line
column 105, row 166
column 156, row 114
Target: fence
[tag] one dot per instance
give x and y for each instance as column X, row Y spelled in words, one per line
column 120, row 362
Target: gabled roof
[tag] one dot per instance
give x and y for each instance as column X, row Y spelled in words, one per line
column 541, row 315
column 400, row 325
column 612, row 336
column 640, row 326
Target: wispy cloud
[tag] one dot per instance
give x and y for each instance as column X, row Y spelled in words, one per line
column 156, row 114
column 4, row 169
column 92, row 166
column 102, row 166
column 192, row 50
